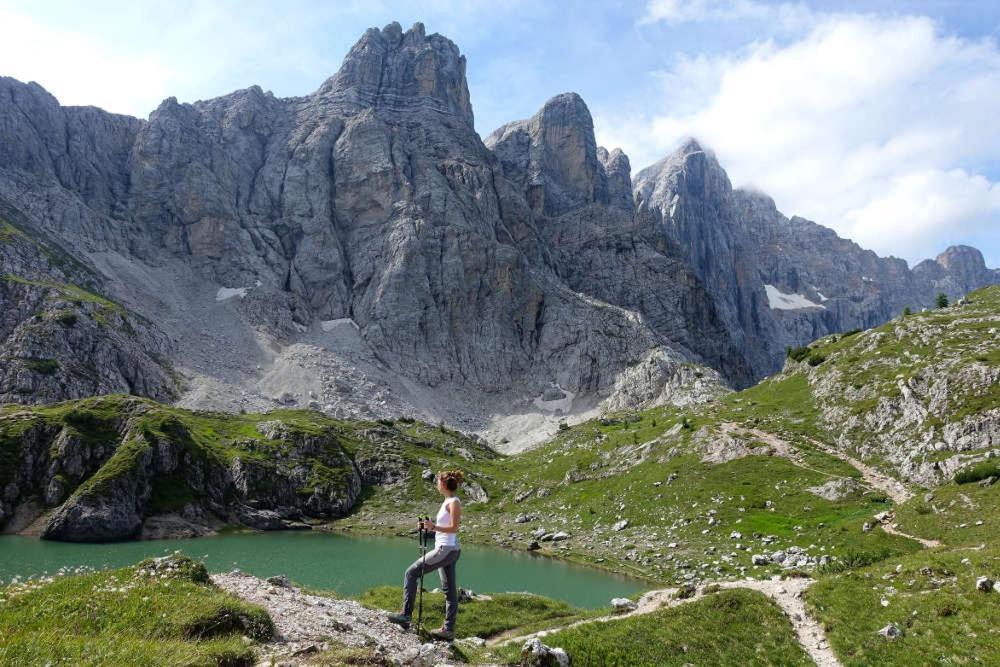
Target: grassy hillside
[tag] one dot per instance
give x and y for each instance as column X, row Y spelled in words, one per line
column 727, row 628
column 162, row 611
column 919, row 395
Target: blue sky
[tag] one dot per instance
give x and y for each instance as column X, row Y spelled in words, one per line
column 876, row 118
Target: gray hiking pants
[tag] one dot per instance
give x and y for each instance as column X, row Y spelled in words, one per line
column 443, row 558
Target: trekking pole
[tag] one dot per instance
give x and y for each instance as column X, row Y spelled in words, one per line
column 423, row 555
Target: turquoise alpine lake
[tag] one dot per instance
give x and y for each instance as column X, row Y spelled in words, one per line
column 347, row 565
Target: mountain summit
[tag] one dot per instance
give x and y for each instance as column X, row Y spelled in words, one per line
column 389, row 68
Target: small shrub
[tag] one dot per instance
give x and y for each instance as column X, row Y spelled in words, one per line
column 43, row 366
column 797, row 353
column 977, row 472
column 66, row 318
column 563, row 426
column 907, row 312
column 685, row 591
column 855, row 558
column 941, row 301
column 816, row 358
column 948, row 609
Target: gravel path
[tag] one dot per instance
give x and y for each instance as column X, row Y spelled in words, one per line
column 889, row 526
column 888, row 485
column 787, row 594
column 307, row 624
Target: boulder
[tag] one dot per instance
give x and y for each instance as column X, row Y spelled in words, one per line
column 536, row 654
column 623, row 604
column 891, row 631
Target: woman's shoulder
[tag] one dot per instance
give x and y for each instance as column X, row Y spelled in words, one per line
column 454, row 500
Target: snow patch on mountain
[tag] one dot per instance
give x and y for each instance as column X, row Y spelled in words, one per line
column 778, row 300
column 225, row 293
column 330, row 325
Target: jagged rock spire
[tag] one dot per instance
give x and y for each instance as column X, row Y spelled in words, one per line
column 392, row 69
column 555, row 157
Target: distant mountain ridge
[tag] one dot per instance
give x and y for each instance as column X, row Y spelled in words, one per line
column 785, row 281
column 361, row 250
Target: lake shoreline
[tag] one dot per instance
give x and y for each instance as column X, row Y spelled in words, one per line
column 344, row 560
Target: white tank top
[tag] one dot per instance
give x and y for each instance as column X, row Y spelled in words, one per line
column 443, row 518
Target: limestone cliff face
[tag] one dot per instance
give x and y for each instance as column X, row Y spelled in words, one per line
column 372, row 201
column 581, row 196
column 59, row 338
column 779, row 281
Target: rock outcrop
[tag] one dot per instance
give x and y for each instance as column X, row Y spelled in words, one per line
column 118, row 467
column 59, row 338
column 580, row 195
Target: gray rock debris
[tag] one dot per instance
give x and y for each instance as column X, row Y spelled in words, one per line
column 536, row 654
column 891, row 631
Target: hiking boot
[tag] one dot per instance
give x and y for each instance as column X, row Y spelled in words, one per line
column 400, row 619
column 443, row 634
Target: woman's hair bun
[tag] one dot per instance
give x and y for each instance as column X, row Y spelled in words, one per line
column 452, row 478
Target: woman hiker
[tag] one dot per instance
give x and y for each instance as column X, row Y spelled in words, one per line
column 444, row 556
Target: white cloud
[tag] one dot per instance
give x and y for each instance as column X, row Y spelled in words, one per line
column 65, row 63
column 869, row 125
column 675, row 12
column 680, row 11
column 926, row 204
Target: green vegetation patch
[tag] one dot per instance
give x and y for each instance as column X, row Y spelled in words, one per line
column 487, row 618
column 70, row 292
column 42, row 366
column 159, row 612
column 978, row 472
column 9, row 233
column 957, row 515
column 932, row 599
column 736, row 628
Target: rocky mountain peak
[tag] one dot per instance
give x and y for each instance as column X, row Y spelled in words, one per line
column 961, row 258
column 691, row 169
column 398, row 70
column 619, row 172
column 957, row 270
column 554, row 156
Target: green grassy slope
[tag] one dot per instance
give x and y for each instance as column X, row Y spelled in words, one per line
column 729, row 628
column 162, row 611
